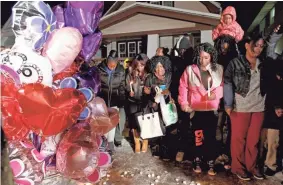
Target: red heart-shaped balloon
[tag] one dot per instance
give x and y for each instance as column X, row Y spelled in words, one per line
column 102, row 119
column 70, row 71
column 47, row 111
column 13, row 120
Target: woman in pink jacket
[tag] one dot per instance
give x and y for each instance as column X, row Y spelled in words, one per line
column 200, row 91
column 228, row 25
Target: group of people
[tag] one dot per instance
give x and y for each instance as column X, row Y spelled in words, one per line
column 238, row 82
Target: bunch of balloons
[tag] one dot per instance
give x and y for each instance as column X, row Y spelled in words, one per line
column 51, row 115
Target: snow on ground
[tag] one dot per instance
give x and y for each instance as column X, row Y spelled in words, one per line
column 143, row 169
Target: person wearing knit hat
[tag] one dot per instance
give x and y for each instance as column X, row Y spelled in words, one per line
column 182, row 45
column 112, row 76
column 181, row 57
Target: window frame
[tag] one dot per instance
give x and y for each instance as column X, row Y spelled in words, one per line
column 119, row 52
column 272, row 16
column 153, row 2
column 128, row 45
column 139, row 49
column 162, row 3
column 168, row 1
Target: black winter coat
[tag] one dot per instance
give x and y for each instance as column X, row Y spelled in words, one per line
column 179, row 65
column 112, row 86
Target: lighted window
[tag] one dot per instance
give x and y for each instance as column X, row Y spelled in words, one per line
column 167, row 3
column 139, row 47
column 132, row 49
column 155, row 2
column 122, row 50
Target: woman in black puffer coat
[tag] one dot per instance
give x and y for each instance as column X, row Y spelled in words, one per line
column 135, row 82
column 112, row 76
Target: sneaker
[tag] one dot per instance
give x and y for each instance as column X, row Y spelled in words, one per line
column 258, row 175
column 155, row 151
column 227, row 165
column 243, row 176
column 211, row 170
column 164, row 153
column 268, row 172
column 197, row 168
column 118, row 143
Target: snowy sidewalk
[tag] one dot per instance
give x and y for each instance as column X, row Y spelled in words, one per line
column 134, row 169
column 138, row 167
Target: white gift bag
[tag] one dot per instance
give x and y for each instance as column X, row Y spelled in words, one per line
column 150, row 125
column 168, row 111
column 111, row 134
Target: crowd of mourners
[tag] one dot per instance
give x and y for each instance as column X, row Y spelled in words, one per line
column 229, row 99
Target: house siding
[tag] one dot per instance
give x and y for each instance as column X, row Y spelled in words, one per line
column 191, row 5
column 166, row 42
column 127, row 3
column 142, row 22
column 152, row 44
column 206, row 36
column 187, row 5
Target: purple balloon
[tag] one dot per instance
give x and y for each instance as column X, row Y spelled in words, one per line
column 58, row 10
column 89, row 79
column 91, row 44
column 84, row 15
column 68, row 82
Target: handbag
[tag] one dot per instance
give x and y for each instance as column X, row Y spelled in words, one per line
column 168, row 111
column 150, row 126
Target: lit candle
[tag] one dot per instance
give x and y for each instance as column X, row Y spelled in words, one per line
column 208, row 84
column 131, row 86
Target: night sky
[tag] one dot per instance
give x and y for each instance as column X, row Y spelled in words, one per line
column 246, row 10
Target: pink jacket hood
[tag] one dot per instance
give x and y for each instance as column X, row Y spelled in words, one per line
column 231, row 11
column 234, row 29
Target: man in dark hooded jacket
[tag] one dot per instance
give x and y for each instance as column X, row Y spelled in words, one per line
column 112, row 76
column 227, row 50
column 273, row 87
column 181, row 57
